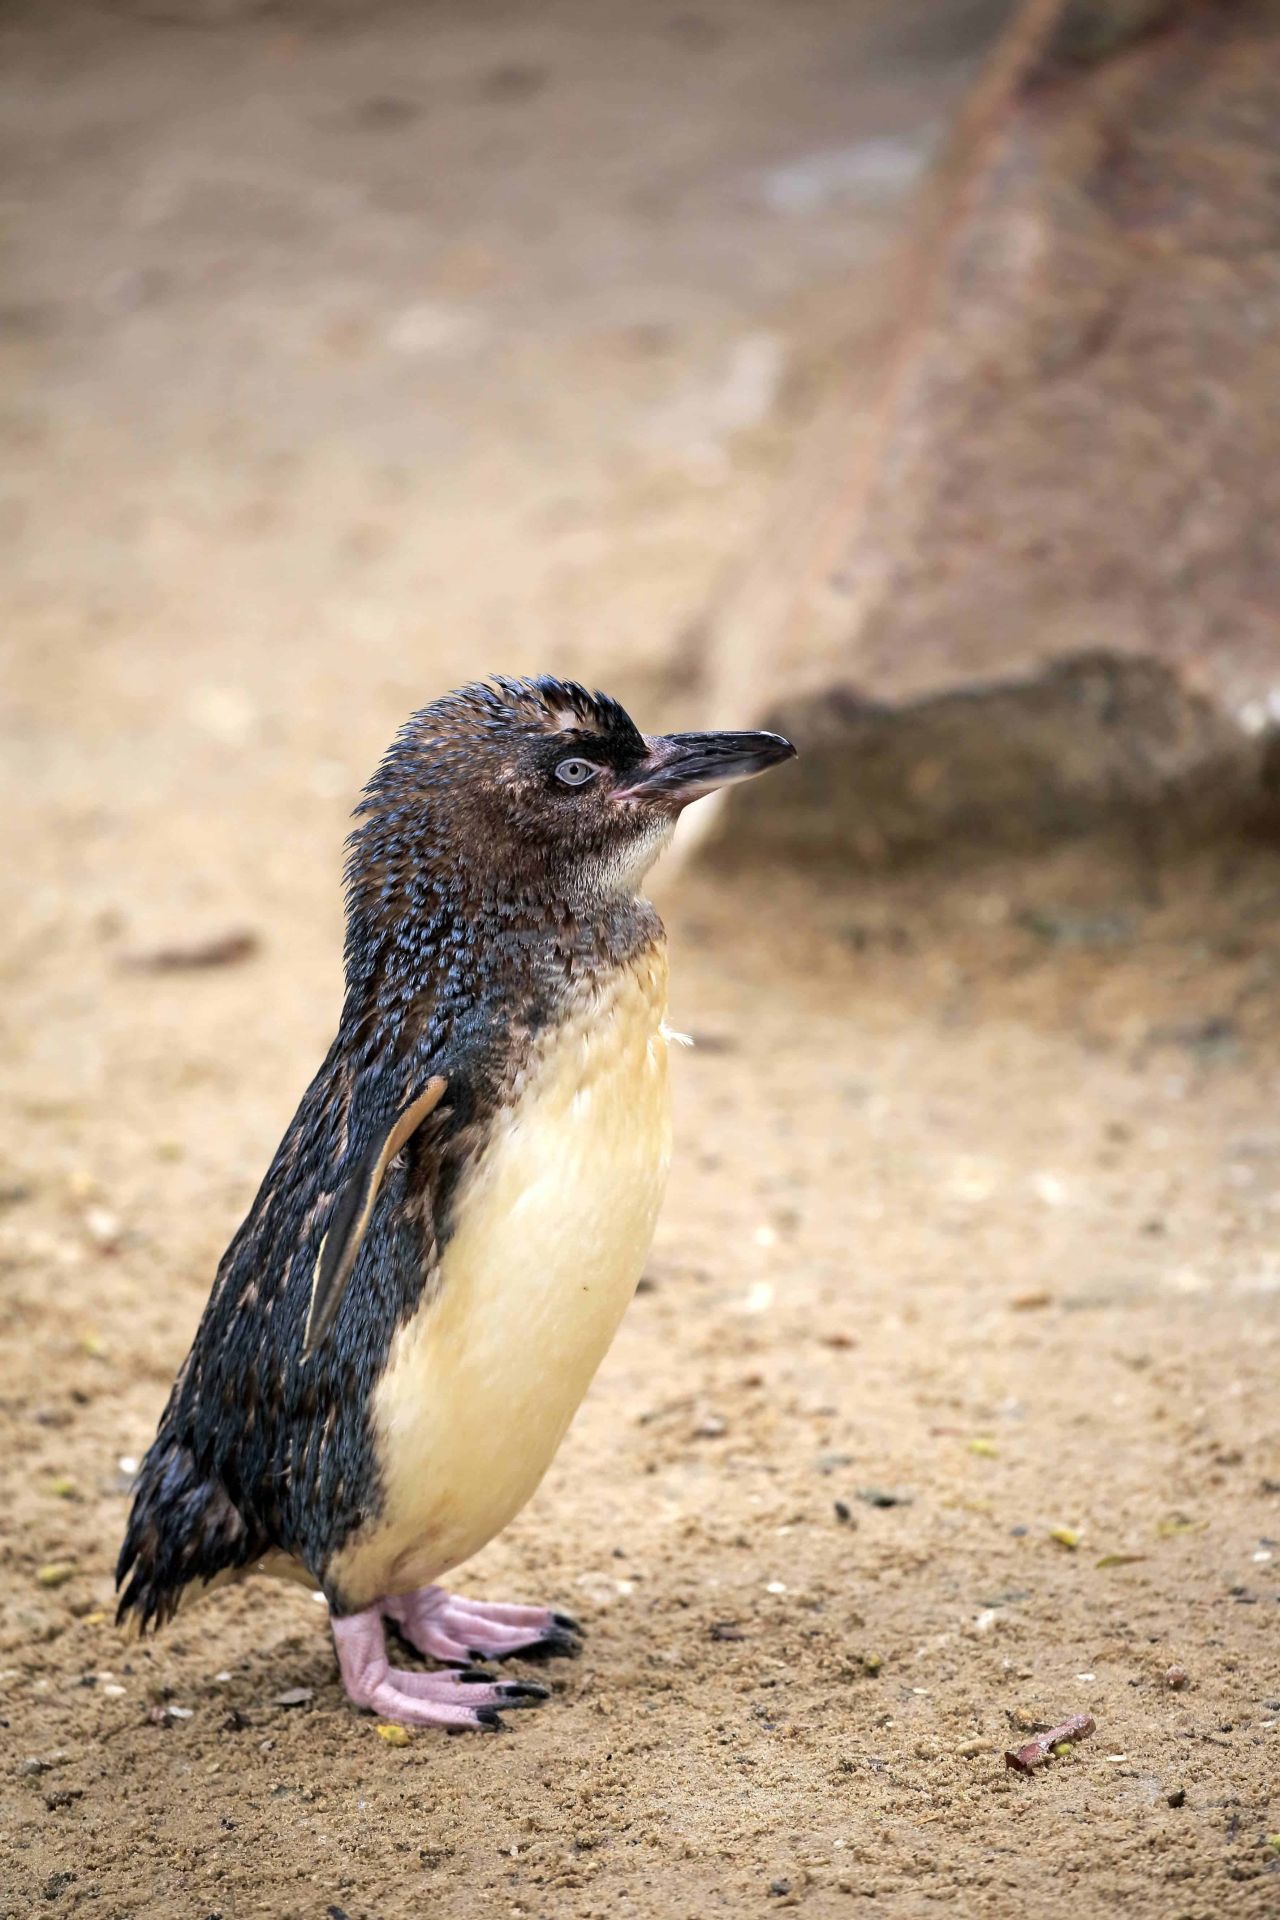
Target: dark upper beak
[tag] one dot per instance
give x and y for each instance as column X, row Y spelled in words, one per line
column 681, row 767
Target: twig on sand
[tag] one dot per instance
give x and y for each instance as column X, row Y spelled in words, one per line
column 223, row 950
column 1039, row 1751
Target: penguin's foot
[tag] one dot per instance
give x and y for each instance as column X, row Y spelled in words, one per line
column 447, row 1627
column 459, row 1701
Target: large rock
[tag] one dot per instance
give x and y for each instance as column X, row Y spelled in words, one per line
column 1042, row 586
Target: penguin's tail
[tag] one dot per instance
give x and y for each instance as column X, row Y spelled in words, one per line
column 183, row 1526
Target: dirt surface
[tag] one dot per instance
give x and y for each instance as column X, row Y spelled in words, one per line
column 974, row 1202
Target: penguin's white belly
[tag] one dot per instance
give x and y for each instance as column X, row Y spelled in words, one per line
column 550, row 1232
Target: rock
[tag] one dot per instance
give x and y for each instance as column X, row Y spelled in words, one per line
column 56, row 1573
column 102, row 1228
column 295, row 1697
column 1022, row 596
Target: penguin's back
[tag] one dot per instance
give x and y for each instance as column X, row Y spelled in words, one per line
column 550, row 1228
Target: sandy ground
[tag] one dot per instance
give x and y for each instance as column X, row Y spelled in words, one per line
column 345, row 357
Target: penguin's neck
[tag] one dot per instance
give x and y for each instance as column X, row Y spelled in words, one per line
column 468, row 945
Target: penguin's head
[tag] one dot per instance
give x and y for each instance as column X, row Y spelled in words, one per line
column 538, row 786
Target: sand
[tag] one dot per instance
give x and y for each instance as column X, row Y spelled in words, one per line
column 973, row 1209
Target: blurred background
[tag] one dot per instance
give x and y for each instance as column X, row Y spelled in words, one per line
column 906, row 376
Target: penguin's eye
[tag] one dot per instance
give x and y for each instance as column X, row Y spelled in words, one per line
column 576, row 773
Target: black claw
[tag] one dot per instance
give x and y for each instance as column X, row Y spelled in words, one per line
column 524, row 1692
column 490, row 1717
column 472, row 1676
column 557, row 1644
column 567, row 1621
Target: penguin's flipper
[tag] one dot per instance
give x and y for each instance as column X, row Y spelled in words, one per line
column 353, row 1210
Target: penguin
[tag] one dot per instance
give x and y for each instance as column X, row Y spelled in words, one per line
column 403, row 1327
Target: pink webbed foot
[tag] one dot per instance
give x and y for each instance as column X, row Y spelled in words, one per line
column 459, row 1702
column 447, row 1627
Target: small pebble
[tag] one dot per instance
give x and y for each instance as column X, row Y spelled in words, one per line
column 1177, row 1796
column 393, row 1735
column 102, row 1228
column 56, row 1573
column 294, row 1697
column 1176, row 1678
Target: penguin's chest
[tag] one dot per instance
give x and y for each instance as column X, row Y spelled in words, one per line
column 550, row 1231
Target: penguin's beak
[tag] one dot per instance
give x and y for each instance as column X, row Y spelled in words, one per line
column 680, row 767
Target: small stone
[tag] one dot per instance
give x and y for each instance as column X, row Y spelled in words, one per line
column 393, row 1735
column 294, row 1697
column 1177, row 1796
column 102, row 1228
column 56, row 1573
column 883, row 1497
column 1066, row 1537
column 1176, row 1678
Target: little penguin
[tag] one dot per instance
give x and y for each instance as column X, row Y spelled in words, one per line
column 456, row 1218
